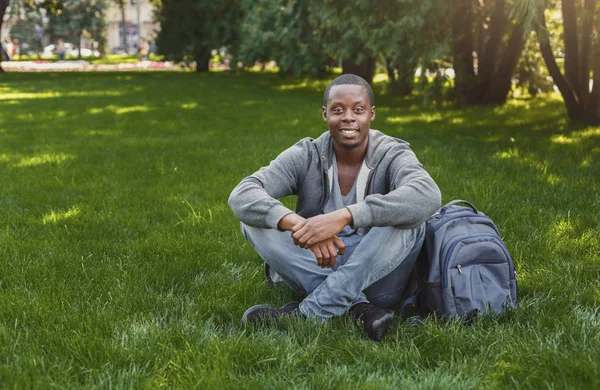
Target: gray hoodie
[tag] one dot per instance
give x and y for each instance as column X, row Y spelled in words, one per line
column 393, row 188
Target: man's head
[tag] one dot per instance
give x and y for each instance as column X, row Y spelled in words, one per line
column 348, row 110
column 349, row 79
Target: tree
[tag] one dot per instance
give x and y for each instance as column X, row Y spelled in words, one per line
column 581, row 55
column 3, row 7
column 76, row 18
column 26, row 25
column 121, row 4
column 487, row 44
column 191, row 29
column 402, row 32
column 283, row 31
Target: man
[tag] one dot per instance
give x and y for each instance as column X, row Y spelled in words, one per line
column 363, row 198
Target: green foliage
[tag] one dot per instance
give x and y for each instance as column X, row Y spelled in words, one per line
column 27, row 21
column 532, row 75
column 308, row 37
column 191, row 29
column 284, row 31
column 78, row 17
column 121, row 265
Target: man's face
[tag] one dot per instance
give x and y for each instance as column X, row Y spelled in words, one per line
column 348, row 115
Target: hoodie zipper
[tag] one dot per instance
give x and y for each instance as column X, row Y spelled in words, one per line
column 324, row 184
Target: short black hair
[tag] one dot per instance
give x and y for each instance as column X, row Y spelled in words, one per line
column 349, row 79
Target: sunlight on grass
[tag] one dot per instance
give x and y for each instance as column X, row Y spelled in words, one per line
column 288, row 87
column 399, row 119
column 57, row 216
column 576, row 137
column 511, row 153
column 99, row 133
column 45, row 158
column 189, row 106
column 553, row 179
column 567, row 236
column 126, row 110
column 586, row 162
column 29, row 95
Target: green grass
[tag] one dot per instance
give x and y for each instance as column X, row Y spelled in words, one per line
column 121, row 264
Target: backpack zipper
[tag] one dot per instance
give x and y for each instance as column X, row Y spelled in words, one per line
column 455, row 243
column 482, row 261
column 462, row 216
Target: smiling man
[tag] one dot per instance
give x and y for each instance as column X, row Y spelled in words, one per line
column 363, row 198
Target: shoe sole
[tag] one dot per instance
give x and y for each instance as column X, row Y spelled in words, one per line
column 249, row 311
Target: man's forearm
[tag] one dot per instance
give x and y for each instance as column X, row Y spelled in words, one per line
column 289, row 221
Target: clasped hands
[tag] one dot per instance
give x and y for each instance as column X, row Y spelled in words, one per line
column 318, row 234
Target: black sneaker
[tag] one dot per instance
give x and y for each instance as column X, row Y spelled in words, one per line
column 376, row 321
column 260, row 314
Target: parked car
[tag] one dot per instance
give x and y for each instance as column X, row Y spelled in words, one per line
column 71, row 50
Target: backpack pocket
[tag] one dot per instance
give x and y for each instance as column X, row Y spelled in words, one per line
column 477, row 275
column 480, row 285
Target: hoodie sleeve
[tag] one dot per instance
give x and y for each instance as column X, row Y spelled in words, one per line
column 413, row 195
column 255, row 200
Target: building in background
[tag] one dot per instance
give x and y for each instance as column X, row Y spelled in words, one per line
column 141, row 15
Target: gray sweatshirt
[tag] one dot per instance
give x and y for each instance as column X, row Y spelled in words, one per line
column 393, row 188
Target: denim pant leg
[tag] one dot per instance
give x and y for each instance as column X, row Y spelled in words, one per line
column 296, row 266
column 381, row 252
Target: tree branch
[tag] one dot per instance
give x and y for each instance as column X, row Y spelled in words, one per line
column 574, row 109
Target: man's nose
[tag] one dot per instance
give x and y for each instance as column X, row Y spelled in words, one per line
column 348, row 116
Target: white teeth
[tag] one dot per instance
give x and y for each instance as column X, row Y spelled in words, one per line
column 348, row 131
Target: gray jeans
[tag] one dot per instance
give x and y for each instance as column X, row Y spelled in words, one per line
column 374, row 268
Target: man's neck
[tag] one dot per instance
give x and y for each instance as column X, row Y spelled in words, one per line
column 350, row 157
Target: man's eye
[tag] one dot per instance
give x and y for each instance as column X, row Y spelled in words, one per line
column 338, row 110
column 359, row 109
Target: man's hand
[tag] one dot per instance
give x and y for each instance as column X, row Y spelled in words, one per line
column 320, row 228
column 326, row 253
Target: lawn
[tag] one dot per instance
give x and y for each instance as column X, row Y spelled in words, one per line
column 121, row 264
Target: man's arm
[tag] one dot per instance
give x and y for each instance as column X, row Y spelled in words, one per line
column 321, row 227
column 413, row 198
column 255, row 200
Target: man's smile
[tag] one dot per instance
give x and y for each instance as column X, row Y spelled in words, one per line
column 349, row 132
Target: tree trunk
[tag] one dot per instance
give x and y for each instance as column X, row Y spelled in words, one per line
column 79, row 57
column 462, row 51
column 571, row 46
column 501, row 82
column 365, row 69
column 202, row 59
column 124, row 29
column 3, row 6
column 574, row 109
column 487, row 64
column 390, row 71
column 586, row 48
column 593, row 103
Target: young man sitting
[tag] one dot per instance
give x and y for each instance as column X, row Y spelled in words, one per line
column 363, row 198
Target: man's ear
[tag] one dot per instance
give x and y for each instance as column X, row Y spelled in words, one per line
column 372, row 112
column 325, row 113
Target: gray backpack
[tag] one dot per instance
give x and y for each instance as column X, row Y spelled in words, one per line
column 464, row 267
